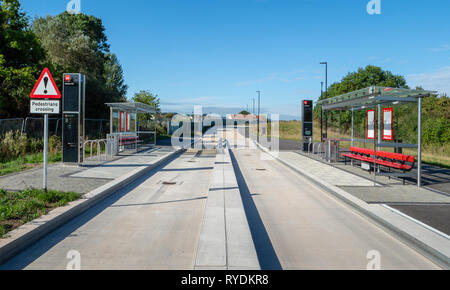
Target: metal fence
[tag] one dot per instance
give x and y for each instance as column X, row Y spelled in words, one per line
column 34, row 127
column 95, row 128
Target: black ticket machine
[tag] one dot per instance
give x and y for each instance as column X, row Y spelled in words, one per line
column 307, row 122
column 73, row 130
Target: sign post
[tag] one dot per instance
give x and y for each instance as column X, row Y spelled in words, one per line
column 44, row 90
column 45, row 150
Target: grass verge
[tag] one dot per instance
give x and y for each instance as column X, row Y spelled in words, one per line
column 18, row 208
column 26, row 162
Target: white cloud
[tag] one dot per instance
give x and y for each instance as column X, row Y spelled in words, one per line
column 442, row 48
column 438, row 80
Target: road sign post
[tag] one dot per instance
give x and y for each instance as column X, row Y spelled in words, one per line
column 45, row 100
column 45, row 150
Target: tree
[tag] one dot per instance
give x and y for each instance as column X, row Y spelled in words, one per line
column 366, row 77
column 21, row 60
column 363, row 78
column 114, row 76
column 146, row 97
column 436, row 120
column 77, row 43
column 244, row 112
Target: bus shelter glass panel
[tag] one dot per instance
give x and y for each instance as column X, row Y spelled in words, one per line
column 115, row 121
column 132, row 123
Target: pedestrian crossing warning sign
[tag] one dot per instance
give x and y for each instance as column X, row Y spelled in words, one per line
column 45, row 87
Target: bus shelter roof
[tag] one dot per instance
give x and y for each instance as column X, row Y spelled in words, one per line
column 373, row 96
column 132, row 107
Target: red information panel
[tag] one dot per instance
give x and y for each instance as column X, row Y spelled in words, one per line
column 371, row 124
column 388, row 118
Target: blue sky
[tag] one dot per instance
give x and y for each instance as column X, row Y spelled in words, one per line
column 218, row 53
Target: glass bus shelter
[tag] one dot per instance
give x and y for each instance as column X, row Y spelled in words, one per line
column 373, row 99
column 124, row 126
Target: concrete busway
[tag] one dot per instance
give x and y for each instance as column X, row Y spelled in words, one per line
column 160, row 221
column 153, row 223
column 297, row 225
column 277, row 219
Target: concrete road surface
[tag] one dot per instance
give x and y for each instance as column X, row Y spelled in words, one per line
column 152, row 224
column 296, row 225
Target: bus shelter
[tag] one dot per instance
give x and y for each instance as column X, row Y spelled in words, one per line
column 375, row 100
column 125, row 130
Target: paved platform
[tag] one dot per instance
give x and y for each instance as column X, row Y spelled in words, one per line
column 434, row 177
column 333, row 175
column 85, row 178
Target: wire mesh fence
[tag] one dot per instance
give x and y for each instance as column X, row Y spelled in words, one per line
column 34, row 127
column 8, row 125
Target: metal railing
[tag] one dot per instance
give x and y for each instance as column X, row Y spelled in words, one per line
column 327, row 151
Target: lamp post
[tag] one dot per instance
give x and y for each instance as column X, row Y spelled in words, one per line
column 259, row 111
column 321, row 113
column 253, row 106
column 326, row 96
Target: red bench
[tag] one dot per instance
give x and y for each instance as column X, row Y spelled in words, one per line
column 123, row 141
column 387, row 159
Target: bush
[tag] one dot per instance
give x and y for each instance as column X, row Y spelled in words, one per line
column 54, row 145
column 13, row 145
column 436, row 132
column 35, row 145
column 16, row 144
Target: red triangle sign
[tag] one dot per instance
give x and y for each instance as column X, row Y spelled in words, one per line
column 45, row 87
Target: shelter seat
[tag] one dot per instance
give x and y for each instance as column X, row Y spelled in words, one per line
column 387, row 159
column 131, row 140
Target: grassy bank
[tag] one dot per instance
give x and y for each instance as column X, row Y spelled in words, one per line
column 26, row 162
column 18, row 208
column 432, row 154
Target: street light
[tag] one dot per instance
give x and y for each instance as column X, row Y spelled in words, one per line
column 259, row 111
column 253, row 106
column 326, row 96
column 321, row 112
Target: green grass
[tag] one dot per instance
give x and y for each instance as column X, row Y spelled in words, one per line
column 26, row 162
column 18, row 208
